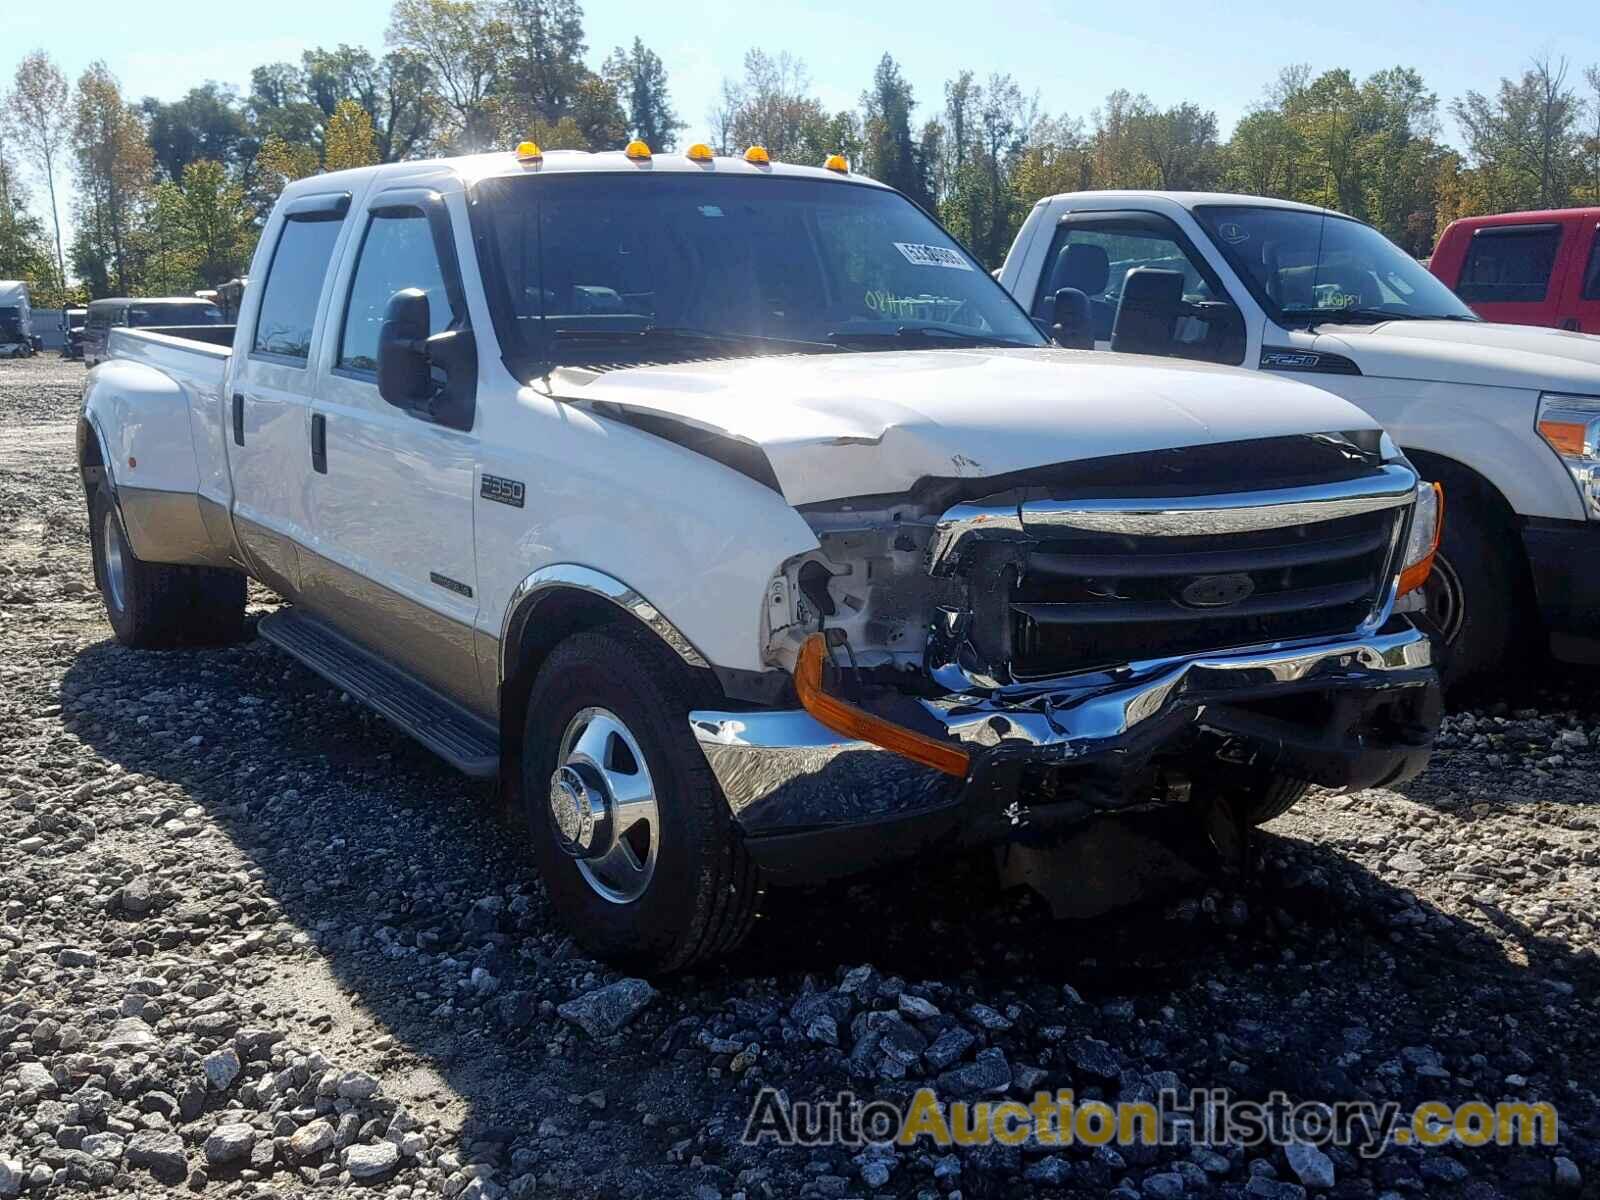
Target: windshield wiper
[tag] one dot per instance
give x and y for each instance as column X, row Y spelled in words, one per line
column 1348, row 316
column 672, row 333
column 922, row 333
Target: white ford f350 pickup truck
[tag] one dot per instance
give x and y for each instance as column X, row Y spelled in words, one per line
column 731, row 515
column 1507, row 417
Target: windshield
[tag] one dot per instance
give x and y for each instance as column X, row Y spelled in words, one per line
column 1308, row 268
column 198, row 313
column 607, row 267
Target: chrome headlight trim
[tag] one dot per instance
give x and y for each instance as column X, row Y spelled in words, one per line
column 1561, row 419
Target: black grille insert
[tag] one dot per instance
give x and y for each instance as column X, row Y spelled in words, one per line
column 1086, row 600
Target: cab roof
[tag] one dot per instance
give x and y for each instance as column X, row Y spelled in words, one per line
column 151, row 300
column 1192, row 200
column 470, row 169
column 1529, row 217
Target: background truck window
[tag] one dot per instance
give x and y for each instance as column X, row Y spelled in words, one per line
column 1591, row 276
column 294, row 284
column 1097, row 261
column 397, row 253
column 1509, row 263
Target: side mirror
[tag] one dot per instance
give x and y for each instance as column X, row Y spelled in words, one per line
column 1147, row 316
column 1073, row 327
column 403, row 376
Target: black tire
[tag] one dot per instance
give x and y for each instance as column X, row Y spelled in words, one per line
column 1271, row 799
column 702, row 897
column 1476, row 597
column 161, row 604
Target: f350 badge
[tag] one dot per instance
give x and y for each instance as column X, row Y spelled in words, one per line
column 503, row 491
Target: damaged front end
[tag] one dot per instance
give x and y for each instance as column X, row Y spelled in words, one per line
column 985, row 660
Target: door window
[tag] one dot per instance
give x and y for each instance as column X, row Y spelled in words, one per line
column 1095, row 254
column 1509, row 263
column 1591, row 274
column 294, row 285
column 398, row 252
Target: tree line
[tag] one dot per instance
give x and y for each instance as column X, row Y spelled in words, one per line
column 169, row 196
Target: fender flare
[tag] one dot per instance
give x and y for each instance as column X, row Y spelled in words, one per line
column 89, row 428
column 542, row 584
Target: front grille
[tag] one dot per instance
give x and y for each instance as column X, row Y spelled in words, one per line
column 1081, row 599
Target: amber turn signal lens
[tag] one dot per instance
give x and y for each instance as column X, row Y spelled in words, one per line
column 1564, row 437
column 1415, row 575
column 843, row 717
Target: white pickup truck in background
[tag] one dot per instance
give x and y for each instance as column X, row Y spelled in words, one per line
column 1507, row 417
column 747, row 530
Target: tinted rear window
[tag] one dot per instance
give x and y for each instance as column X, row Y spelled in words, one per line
column 294, row 283
column 1591, row 276
column 1509, row 263
column 199, row 313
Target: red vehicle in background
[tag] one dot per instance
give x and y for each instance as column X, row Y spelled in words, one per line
column 1526, row 268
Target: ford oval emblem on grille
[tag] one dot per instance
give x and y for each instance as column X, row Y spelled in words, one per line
column 1216, row 591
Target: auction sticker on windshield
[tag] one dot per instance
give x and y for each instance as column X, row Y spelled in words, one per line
column 932, row 256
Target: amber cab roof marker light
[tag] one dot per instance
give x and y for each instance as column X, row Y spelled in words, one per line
column 758, row 155
column 638, row 151
column 837, row 162
column 529, row 152
column 699, row 152
column 843, row 717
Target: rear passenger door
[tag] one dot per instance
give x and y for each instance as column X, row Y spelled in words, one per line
column 270, row 390
column 1585, row 315
column 1514, row 273
column 392, row 490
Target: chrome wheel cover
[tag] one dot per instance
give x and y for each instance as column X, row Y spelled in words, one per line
column 603, row 807
column 115, row 565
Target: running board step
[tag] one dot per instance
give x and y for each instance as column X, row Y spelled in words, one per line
column 464, row 741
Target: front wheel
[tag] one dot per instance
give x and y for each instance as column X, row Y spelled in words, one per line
column 1273, row 797
column 1473, row 598
column 628, row 826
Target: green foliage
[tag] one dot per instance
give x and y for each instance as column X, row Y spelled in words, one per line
column 889, row 150
column 640, row 80
column 172, row 193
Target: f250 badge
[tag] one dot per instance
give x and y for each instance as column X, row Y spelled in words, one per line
column 503, row 491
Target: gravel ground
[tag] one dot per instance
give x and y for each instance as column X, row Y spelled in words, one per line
column 253, row 942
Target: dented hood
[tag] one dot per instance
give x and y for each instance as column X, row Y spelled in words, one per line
column 840, row 425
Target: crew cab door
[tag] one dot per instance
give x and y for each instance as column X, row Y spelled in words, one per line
column 1585, row 279
column 268, row 392
column 392, row 490
column 1516, row 273
column 1095, row 252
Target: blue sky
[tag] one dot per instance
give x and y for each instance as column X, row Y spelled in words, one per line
column 1221, row 56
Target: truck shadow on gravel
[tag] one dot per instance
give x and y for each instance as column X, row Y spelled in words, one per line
column 1309, row 973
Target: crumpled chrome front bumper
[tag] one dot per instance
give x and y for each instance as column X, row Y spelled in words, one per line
column 1348, row 712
